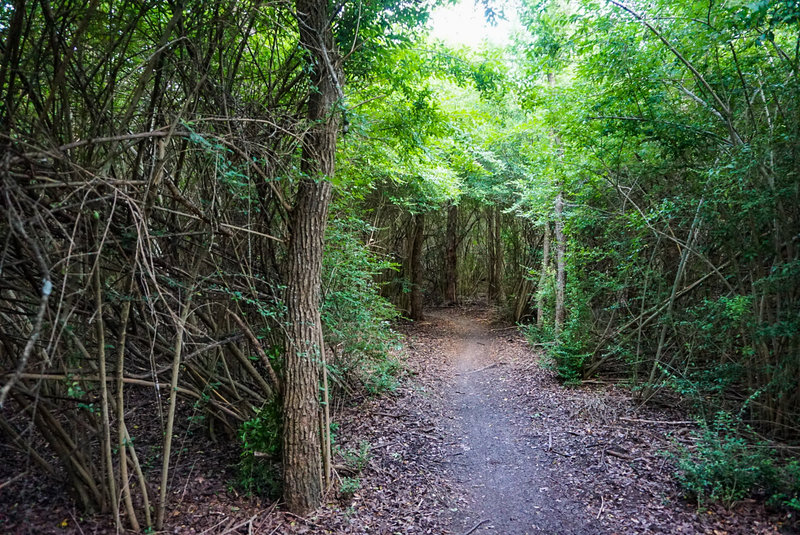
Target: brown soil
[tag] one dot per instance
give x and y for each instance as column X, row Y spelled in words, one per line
column 478, row 438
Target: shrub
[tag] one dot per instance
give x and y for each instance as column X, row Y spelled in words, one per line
column 355, row 317
column 726, row 467
column 259, row 460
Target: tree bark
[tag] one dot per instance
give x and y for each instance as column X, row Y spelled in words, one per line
column 561, row 278
column 418, row 237
column 543, row 276
column 495, row 253
column 451, row 258
column 302, row 448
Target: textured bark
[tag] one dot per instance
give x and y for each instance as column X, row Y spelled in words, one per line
column 416, row 268
column 302, row 448
column 451, row 258
column 543, row 276
column 491, row 286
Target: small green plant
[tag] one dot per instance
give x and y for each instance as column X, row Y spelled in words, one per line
column 260, row 438
column 726, row 467
column 349, row 486
column 382, row 376
column 357, row 459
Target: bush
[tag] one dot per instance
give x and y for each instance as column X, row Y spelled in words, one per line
column 726, row 467
column 355, row 317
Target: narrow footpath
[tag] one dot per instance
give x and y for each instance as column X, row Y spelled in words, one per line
column 511, row 485
column 523, row 454
column 477, row 437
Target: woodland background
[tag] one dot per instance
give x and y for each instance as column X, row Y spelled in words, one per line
column 622, row 181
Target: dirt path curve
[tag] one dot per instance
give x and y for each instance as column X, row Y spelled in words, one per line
column 506, row 481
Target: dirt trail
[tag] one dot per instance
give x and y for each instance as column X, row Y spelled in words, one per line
column 507, row 483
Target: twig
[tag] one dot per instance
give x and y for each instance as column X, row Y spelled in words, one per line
column 619, row 455
column 304, row 519
column 47, row 288
column 660, row 422
column 13, row 479
column 273, row 377
column 484, row 368
column 602, row 506
column 476, row 526
column 237, row 526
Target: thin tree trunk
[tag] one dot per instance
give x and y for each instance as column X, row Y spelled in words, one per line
column 302, row 445
column 491, row 283
column 104, row 395
column 543, row 276
column 650, row 387
column 121, row 429
column 561, row 248
column 173, row 398
column 451, row 258
column 418, row 238
column 561, row 245
column 497, row 263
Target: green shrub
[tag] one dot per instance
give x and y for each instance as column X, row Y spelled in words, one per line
column 355, row 318
column 349, row 486
column 725, row 467
column 381, row 376
column 259, row 460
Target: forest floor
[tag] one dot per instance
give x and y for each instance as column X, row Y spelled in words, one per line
column 478, row 438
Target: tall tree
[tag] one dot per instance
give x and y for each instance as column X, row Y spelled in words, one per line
column 451, row 256
column 302, row 450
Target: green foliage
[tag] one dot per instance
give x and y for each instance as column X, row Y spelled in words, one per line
column 349, row 486
column 259, row 460
column 677, row 181
column 356, row 319
column 357, row 459
column 725, row 466
column 381, row 376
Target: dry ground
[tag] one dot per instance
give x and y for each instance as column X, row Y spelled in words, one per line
column 478, row 438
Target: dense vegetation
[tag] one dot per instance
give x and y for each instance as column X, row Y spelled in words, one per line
column 622, row 180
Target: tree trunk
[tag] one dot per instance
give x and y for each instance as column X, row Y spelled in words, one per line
column 416, row 268
column 491, row 283
column 497, row 266
column 495, row 253
column 561, row 248
column 302, row 448
column 451, row 258
column 543, row 276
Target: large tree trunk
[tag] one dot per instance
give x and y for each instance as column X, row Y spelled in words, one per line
column 450, row 257
column 416, row 267
column 302, row 449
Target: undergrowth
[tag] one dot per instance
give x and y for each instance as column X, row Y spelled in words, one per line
column 727, row 465
column 259, row 460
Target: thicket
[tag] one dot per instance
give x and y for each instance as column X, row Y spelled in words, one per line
column 151, row 152
column 679, row 165
column 673, row 136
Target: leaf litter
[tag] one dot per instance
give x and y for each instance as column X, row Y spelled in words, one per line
column 478, row 437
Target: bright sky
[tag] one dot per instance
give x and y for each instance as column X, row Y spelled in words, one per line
column 464, row 24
